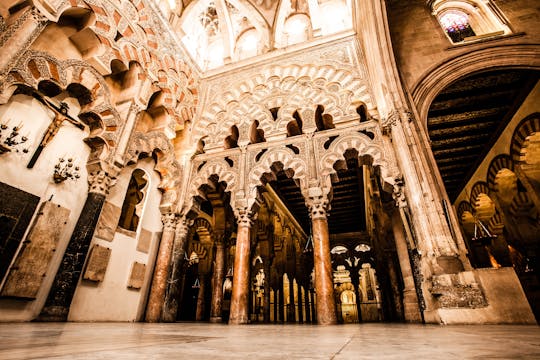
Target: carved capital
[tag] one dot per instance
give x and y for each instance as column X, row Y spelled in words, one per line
column 244, row 216
column 398, row 193
column 100, row 182
column 390, row 120
column 182, row 226
column 169, row 221
column 318, row 203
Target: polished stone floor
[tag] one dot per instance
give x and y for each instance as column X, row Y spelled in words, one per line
column 215, row 341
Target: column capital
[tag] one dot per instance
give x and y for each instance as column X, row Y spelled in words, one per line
column 169, row 221
column 244, row 216
column 183, row 224
column 318, row 203
column 100, row 182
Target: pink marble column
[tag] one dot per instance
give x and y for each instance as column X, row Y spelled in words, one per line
column 324, row 283
column 240, row 289
column 217, row 282
column 161, row 271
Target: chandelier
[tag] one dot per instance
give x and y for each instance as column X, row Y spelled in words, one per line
column 10, row 140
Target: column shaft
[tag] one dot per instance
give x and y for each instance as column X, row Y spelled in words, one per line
column 199, row 314
column 240, row 289
column 156, row 299
column 324, row 285
column 217, row 284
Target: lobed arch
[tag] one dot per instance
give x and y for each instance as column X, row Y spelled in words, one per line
column 38, row 70
column 287, row 158
column 365, row 146
column 221, row 169
column 157, row 144
column 249, row 101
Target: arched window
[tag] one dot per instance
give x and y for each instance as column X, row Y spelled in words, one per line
column 131, row 208
column 456, row 24
column 469, row 20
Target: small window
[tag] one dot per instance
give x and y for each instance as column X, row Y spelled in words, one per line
column 456, row 24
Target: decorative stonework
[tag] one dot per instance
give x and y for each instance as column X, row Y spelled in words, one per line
column 317, row 203
column 169, row 221
column 389, row 121
column 100, row 182
column 244, row 216
column 459, row 296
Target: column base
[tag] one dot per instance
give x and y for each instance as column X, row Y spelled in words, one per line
column 239, row 321
column 481, row 296
column 53, row 314
column 216, row 319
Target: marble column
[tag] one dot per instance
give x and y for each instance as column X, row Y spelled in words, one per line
column 217, row 281
column 66, row 279
column 173, row 293
column 199, row 313
column 411, row 311
column 241, row 278
column 300, row 307
column 324, row 285
column 306, row 304
column 156, row 298
column 281, row 299
column 266, row 305
column 291, row 316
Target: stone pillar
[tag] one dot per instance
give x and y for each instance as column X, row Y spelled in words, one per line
column 306, row 304
column 312, row 302
column 241, row 279
column 199, row 313
column 290, row 310
column 217, row 281
column 300, row 307
column 266, row 305
column 411, row 310
column 172, row 296
column 281, row 299
column 276, row 306
column 66, row 279
column 324, row 285
column 156, row 299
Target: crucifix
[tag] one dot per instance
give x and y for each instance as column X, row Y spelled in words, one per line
column 61, row 115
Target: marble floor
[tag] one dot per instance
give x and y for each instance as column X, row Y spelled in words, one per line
column 216, row 341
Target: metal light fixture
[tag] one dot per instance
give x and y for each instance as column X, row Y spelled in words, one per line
column 481, row 234
column 64, row 170
column 309, row 245
column 196, row 284
column 10, row 140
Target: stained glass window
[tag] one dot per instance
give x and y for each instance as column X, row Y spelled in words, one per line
column 456, row 25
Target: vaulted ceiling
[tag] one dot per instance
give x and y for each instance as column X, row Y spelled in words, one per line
column 467, row 117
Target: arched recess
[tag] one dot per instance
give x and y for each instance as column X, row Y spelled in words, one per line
column 39, row 71
column 219, row 168
column 443, row 74
column 287, row 158
column 365, row 147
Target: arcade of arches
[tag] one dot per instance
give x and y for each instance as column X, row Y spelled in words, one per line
column 280, row 161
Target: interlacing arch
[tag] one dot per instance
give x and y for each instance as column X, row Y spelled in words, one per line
column 297, row 86
column 287, row 158
column 221, row 169
column 364, row 146
column 156, row 142
column 128, row 31
column 39, row 67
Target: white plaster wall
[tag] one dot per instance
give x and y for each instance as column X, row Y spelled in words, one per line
column 502, row 146
column 68, row 142
column 111, row 300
